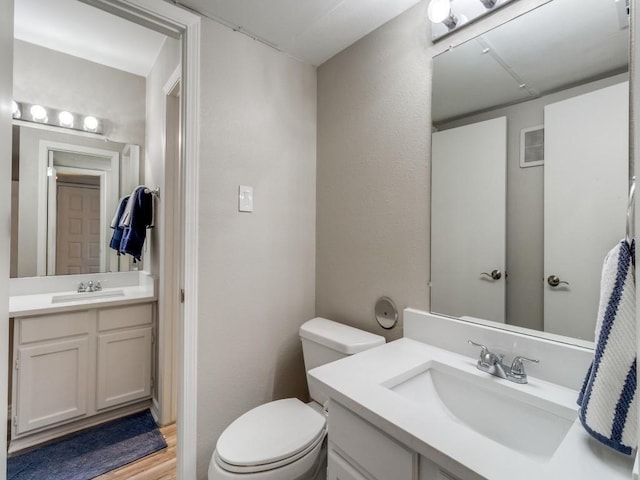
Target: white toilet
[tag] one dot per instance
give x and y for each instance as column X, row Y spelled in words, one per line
column 284, row 439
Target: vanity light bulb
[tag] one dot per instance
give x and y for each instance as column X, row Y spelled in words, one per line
column 15, row 109
column 39, row 113
column 91, row 124
column 66, row 119
column 439, row 10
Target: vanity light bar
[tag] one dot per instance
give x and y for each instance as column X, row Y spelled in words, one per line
column 56, row 118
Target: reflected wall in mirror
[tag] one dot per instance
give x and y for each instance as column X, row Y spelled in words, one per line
column 522, row 245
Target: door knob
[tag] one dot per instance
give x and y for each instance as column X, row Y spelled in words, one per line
column 554, row 281
column 495, row 274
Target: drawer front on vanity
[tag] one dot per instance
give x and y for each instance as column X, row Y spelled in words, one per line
column 57, row 325
column 125, row 317
column 373, row 451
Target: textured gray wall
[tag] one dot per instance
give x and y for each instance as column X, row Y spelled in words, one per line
column 373, row 201
column 257, row 270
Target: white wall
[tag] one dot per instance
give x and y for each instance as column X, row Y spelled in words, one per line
column 62, row 81
column 373, row 174
column 257, row 270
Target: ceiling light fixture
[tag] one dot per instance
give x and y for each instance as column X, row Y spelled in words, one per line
column 439, row 11
column 66, row 119
column 90, row 123
column 15, row 110
column 38, row 113
column 53, row 117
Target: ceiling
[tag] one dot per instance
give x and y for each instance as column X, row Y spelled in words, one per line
column 560, row 44
column 310, row 30
column 72, row 27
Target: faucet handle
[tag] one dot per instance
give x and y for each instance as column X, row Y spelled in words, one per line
column 487, row 357
column 81, row 288
column 517, row 367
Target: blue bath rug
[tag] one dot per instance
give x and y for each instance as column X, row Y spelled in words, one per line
column 90, row 453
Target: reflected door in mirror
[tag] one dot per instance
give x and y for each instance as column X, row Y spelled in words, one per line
column 585, row 185
column 468, row 220
column 78, row 228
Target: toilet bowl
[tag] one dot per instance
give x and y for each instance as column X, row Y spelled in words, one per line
column 285, row 439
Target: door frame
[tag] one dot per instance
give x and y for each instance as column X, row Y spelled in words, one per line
column 178, row 23
column 45, row 231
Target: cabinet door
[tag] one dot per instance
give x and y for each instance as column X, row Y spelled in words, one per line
column 124, row 366
column 339, row 469
column 51, row 383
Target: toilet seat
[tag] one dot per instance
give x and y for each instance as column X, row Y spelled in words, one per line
column 270, row 436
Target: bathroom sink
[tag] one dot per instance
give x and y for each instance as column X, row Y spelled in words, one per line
column 509, row 415
column 80, row 296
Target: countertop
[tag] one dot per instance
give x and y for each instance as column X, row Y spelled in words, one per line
column 357, row 383
column 41, row 303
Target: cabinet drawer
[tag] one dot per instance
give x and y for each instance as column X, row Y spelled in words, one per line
column 50, row 327
column 123, row 317
column 374, row 451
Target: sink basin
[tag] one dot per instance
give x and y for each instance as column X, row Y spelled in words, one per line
column 80, row 296
column 510, row 416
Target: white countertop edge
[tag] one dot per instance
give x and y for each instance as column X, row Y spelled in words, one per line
column 41, row 304
column 356, row 382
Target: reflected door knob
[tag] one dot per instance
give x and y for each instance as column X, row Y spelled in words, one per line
column 495, row 274
column 554, row 281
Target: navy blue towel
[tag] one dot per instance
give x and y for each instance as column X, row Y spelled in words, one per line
column 118, row 230
column 141, row 218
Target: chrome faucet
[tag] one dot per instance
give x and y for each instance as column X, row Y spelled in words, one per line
column 492, row 364
column 90, row 287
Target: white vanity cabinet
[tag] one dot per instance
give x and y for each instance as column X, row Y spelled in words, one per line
column 51, row 359
column 74, row 369
column 124, row 355
column 360, row 451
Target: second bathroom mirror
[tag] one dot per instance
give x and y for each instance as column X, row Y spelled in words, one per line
column 530, row 167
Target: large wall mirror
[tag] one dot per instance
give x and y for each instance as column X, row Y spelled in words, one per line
column 66, row 183
column 530, row 167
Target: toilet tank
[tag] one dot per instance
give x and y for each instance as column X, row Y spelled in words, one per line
column 325, row 341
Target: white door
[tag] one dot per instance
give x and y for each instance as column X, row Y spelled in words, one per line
column 78, row 246
column 585, row 201
column 468, row 220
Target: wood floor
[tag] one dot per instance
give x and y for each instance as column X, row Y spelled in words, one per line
column 159, row 466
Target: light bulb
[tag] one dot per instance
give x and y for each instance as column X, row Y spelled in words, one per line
column 39, row 113
column 439, row 10
column 15, row 109
column 90, row 124
column 66, row 119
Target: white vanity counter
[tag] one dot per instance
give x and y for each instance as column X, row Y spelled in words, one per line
column 45, row 295
column 362, row 384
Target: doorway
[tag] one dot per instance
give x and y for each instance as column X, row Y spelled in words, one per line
column 183, row 25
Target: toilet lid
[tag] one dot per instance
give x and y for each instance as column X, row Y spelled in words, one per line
column 270, row 433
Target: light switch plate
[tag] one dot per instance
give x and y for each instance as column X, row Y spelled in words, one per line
column 245, row 199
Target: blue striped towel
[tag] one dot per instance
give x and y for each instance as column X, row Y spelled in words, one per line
column 608, row 400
